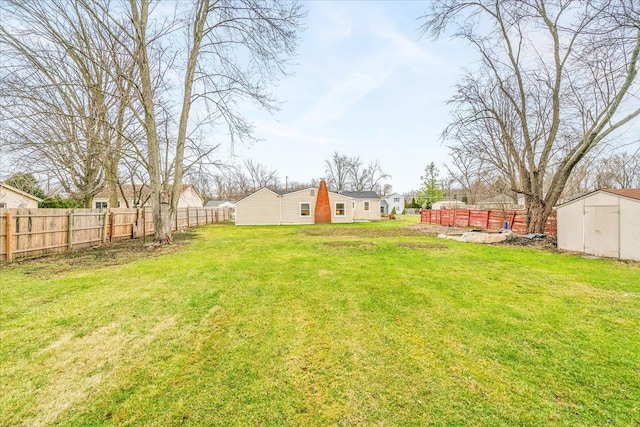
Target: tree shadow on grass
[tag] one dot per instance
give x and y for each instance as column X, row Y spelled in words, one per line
column 113, row 253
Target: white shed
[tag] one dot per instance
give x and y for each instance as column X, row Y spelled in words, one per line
column 603, row 223
column 11, row 197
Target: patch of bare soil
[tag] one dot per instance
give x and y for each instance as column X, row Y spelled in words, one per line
column 115, row 253
column 361, row 232
column 350, row 244
column 435, row 229
column 423, row 245
column 543, row 242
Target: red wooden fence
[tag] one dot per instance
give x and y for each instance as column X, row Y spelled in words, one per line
column 490, row 219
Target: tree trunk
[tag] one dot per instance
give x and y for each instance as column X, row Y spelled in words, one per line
column 537, row 214
column 163, row 219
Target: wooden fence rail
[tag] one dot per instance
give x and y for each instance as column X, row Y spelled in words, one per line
column 488, row 219
column 36, row 232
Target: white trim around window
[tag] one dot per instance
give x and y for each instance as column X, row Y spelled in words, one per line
column 367, row 205
column 340, row 212
column 305, row 209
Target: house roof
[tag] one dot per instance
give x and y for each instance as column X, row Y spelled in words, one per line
column 22, row 193
column 216, row 203
column 361, row 194
column 630, row 193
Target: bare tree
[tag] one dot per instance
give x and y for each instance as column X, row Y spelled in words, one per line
column 63, row 99
column 346, row 173
column 366, row 178
column 337, row 170
column 233, row 50
column 555, row 80
column 470, row 173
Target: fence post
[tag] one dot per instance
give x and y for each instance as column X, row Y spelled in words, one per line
column 105, row 227
column 70, row 231
column 197, row 216
column 112, row 227
column 488, row 217
column 9, row 232
column 188, row 219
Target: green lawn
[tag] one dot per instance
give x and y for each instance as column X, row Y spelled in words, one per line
column 364, row 324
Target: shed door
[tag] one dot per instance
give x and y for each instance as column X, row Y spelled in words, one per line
column 601, row 225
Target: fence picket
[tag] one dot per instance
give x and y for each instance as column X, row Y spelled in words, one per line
column 36, row 232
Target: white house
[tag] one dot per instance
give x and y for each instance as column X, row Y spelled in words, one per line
column 269, row 207
column 11, row 197
column 604, row 223
column 138, row 196
column 390, row 202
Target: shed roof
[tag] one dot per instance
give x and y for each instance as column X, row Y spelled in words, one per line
column 630, row 193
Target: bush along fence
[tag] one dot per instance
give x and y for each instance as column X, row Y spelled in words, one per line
column 37, row 232
column 487, row 219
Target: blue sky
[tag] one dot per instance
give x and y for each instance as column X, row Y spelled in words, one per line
column 365, row 84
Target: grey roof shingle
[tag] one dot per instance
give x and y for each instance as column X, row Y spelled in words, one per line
column 361, row 194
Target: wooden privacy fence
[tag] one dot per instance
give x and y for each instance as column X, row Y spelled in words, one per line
column 488, row 219
column 35, row 232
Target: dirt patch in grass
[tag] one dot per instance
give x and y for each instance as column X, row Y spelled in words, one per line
column 115, row 253
column 544, row 242
column 350, row 244
column 345, row 231
column 423, row 245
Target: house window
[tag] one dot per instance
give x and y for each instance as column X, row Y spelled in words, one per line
column 101, row 205
column 341, row 209
column 366, row 206
column 305, row 209
column 312, row 193
column 396, row 199
column 3, row 205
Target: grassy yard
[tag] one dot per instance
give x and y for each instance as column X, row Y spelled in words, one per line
column 364, row 324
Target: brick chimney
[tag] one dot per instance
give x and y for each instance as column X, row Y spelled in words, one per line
column 323, row 208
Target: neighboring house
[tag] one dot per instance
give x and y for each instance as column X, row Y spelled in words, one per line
column 138, row 196
column 603, row 223
column 388, row 203
column 11, row 197
column 268, row 207
column 449, row 204
column 501, row 201
column 222, row 204
column 366, row 205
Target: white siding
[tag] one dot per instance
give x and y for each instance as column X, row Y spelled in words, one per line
column 601, row 224
column 374, row 210
column 190, row 198
column 260, row 208
column 630, row 229
column 13, row 199
column 291, row 206
column 348, row 203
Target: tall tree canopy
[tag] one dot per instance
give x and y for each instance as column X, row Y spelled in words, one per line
column 556, row 78
column 211, row 56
